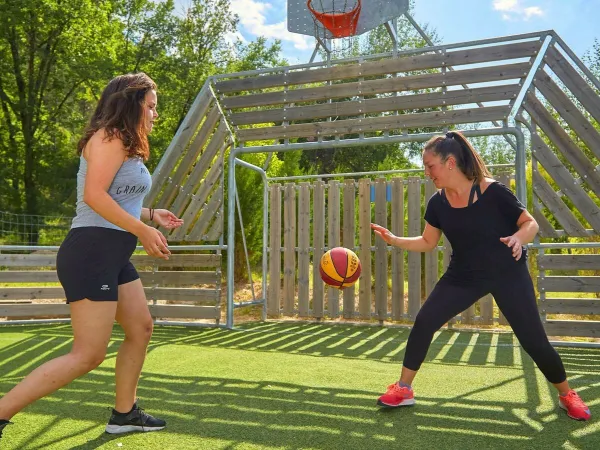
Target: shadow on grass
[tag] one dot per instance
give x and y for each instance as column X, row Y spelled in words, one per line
column 292, row 416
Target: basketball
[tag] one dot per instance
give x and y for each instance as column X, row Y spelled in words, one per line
column 340, row 267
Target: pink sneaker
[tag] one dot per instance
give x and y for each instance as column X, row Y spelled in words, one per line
column 396, row 396
column 574, row 406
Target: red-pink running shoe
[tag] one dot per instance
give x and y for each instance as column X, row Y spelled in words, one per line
column 574, row 406
column 396, row 396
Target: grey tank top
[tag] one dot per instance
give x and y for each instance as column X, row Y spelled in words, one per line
column 129, row 187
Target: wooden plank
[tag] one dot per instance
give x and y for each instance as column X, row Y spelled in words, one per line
column 378, row 105
column 207, row 213
column 319, row 246
column 178, row 260
column 33, row 310
column 568, row 111
column 349, row 232
column 431, row 258
column 333, row 240
column 414, row 258
column 190, row 157
column 397, row 213
column 380, row 86
column 216, row 230
column 198, row 200
column 178, row 278
column 569, row 262
column 562, row 141
column 381, row 257
column 303, row 248
column 274, row 291
column 568, row 284
column 207, row 162
column 395, row 122
column 573, row 81
column 486, row 310
column 579, row 328
column 546, row 228
column 25, row 276
column 556, row 206
column 185, row 312
column 31, row 293
column 566, row 182
column 203, row 296
column 289, row 245
column 383, row 66
column 364, row 243
column 186, row 130
column 577, row 306
column 28, row 260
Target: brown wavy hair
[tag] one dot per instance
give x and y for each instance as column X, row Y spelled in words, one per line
column 120, row 111
column 467, row 159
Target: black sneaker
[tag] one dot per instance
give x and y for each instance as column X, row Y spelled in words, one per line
column 3, row 423
column 134, row 420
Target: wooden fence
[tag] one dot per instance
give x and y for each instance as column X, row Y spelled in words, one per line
column 168, row 285
column 340, row 213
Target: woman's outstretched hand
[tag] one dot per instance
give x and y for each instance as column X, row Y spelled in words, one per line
column 514, row 243
column 166, row 219
column 383, row 233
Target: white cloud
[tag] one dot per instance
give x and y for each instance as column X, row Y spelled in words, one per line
column 253, row 18
column 514, row 10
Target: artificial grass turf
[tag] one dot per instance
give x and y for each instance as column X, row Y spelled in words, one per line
column 305, row 386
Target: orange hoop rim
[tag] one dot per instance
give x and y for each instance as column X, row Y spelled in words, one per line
column 350, row 18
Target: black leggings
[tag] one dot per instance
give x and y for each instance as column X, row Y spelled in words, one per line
column 514, row 295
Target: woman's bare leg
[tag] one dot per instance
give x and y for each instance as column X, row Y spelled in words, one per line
column 92, row 324
column 134, row 316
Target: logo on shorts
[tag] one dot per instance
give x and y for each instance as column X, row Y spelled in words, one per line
column 105, row 287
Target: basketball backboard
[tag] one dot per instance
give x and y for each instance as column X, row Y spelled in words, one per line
column 373, row 13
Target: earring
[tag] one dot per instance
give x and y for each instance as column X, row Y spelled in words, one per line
column 450, row 168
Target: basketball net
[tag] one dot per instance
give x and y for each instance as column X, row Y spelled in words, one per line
column 336, row 20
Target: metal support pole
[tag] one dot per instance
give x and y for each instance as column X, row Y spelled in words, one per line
column 230, row 236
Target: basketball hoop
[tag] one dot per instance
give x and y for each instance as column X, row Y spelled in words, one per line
column 332, row 22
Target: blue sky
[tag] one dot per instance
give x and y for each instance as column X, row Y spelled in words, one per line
column 576, row 21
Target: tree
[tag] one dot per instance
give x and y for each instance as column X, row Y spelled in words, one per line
column 49, row 50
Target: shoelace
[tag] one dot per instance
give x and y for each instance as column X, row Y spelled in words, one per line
column 574, row 399
column 394, row 388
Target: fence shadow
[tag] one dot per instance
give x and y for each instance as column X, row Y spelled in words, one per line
column 236, row 411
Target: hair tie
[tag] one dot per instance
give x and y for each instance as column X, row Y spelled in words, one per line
column 449, row 135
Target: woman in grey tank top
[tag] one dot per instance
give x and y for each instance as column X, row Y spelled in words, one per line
column 93, row 264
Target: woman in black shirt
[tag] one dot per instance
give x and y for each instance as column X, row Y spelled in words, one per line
column 487, row 227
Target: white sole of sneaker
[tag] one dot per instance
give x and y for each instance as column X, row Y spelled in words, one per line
column 407, row 402
column 565, row 408
column 118, row 429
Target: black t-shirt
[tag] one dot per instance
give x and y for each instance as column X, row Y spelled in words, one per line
column 475, row 230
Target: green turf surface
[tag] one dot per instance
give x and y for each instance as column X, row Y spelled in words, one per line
column 305, row 386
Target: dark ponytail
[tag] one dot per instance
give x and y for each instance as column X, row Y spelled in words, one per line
column 468, row 160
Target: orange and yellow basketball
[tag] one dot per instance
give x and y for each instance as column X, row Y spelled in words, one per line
column 340, row 267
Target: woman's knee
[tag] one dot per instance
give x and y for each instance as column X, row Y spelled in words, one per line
column 88, row 359
column 141, row 332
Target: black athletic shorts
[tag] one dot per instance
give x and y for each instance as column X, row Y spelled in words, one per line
column 93, row 261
